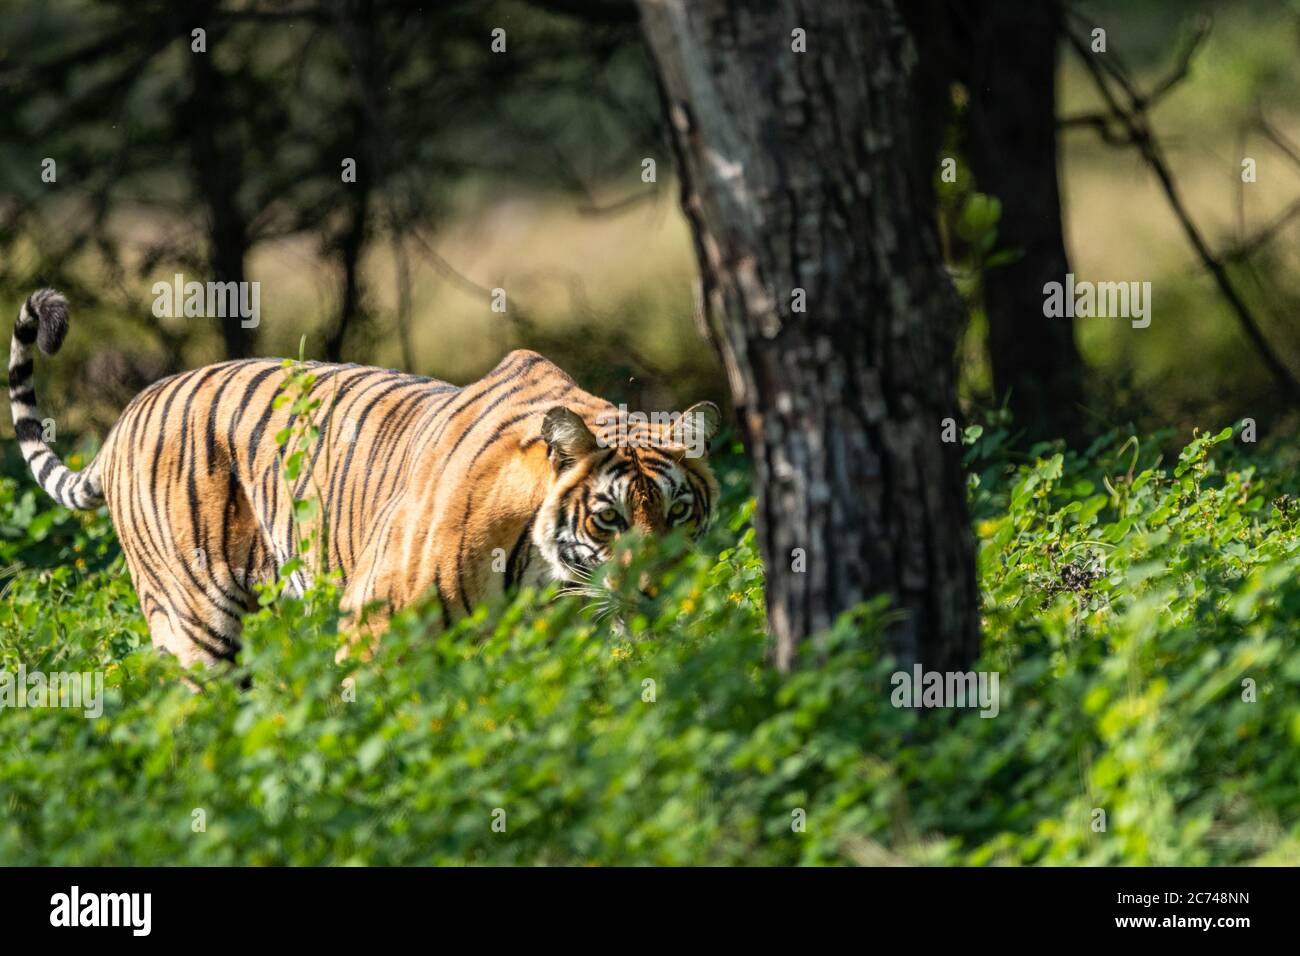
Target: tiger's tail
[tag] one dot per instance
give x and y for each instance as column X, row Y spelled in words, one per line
column 43, row 320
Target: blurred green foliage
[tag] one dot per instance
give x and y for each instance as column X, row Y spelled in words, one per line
column 1126, row 599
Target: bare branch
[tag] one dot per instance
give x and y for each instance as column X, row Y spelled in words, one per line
column 1275, row 136
column 1102, row 123
column 1132, row 116
column 1248, row 247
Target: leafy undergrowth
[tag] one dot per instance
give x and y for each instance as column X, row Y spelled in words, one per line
column 1141, row 615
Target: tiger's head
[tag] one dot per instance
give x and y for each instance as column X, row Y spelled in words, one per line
column 627, row 474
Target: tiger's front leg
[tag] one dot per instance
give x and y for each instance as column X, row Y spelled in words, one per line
column 372, row 594
column 406, row 559
column 365, row 618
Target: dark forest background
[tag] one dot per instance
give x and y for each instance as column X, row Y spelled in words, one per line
column 523, row 170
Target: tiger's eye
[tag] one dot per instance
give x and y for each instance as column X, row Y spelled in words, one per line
column 679, row 510
column 609, row 515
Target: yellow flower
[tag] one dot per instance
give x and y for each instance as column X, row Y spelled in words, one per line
column 81, row 564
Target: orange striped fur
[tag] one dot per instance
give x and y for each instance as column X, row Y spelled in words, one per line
column 427, row 488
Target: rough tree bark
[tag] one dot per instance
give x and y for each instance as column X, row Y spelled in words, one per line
column 801, row 171
column 1013, row 49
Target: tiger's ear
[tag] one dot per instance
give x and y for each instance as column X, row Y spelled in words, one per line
column 567, row 436
column 697, row 426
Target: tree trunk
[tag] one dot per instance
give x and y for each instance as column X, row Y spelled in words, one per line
column 1012, row 150
column 349, row 245
column 216, row 177
column 827, row 296
column 358, row 26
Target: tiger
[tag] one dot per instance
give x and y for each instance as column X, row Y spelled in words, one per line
column 425, row 489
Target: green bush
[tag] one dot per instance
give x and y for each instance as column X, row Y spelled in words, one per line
column 1125, row 602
